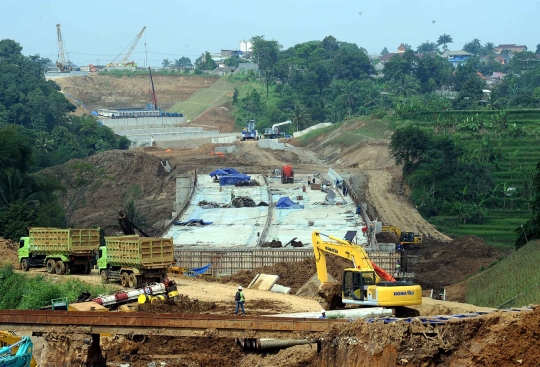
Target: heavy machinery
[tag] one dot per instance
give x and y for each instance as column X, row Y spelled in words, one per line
column 59, row 250
column 135, row 260
column 16, row 351
column 405, row 238
column 124, row 61
column 365, row 284
column 249, row 131
column 274, row 131
column 287, row 174
column 127, row 225
column 154, row 99
column 61, row 64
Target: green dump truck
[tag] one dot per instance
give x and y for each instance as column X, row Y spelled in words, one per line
column 135, row 260
column 59, row 250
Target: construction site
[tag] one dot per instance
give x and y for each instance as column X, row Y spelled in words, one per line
column 298, row 230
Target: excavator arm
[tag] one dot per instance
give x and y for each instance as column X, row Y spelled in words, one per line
column 365, row 284
column 16, row 351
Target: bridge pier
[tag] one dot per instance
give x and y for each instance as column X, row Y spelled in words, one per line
column 71, row 350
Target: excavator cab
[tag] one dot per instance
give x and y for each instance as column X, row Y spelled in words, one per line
column 355, row 284
column 407, row 238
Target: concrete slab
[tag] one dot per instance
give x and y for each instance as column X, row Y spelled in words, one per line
column 280, row 289
column 264, row 282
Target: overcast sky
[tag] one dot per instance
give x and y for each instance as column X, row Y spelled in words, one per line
column 100, row 30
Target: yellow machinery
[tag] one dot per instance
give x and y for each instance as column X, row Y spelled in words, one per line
column 16, row 350
column 365, row 284
column 405, row 238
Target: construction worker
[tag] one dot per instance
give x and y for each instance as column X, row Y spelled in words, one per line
column 240, row 299
column 323, row 315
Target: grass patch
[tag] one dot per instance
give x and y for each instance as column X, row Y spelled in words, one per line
column 24, row 292
column 515, row 276
column 203, row 99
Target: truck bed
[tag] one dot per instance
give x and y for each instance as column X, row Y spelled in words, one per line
column 47, row 241
column 143, row 252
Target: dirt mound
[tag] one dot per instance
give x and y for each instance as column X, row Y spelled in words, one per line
column 94, row 194
column 182, row 305
column 297, row 356
column 217, row 118
column 442, row 264
column 498, row 339
column 8, row 249
column 102, row 91
column 291, row 274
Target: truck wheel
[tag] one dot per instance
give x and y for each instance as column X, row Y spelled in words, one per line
column 86, row 268
column 50, row 266
column 104, row 277
column 60, row 268
column 132, row 280
column 24, row 265
column 124, row 279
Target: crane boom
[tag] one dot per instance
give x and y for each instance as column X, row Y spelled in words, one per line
column 281, row 123
column 61, row 60
column 133, row 45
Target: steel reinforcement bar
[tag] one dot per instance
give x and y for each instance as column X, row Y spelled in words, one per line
column 158, row 324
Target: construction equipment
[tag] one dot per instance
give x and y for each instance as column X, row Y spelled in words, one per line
column 127, row 225
column 274, row 131
column 287, row 174
column 249, row 131
column 366, row 284
column 124, row 61
column 59, row 250
column 405, row 238
column 135, row 260
column 61, row 60
column 16, row 351
column 154, row 99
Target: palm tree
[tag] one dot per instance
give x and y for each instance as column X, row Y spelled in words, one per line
column 444, row 40
column 489, row 47
column 350, row 93
column 427, row 47
column 44, row 143
column 407, row 47
column 299, row 116
column 166, row 63
column 405, row 86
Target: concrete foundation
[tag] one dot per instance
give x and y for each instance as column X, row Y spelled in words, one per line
column 225, row 139
column 226, row 150
column 273, row 144
column 143, row 122
column 183, row 184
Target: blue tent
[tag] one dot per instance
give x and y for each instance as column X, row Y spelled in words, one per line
column 232, row 179
column 286, row 203
column 218, row 172
column 231, row 171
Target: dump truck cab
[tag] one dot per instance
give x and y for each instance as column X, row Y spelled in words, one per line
column 24, row 248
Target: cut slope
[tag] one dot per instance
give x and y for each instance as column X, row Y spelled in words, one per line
column 103, row 91
column 205, row 98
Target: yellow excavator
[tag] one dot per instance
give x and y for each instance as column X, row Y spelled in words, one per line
column 405, row 238
column 365, row 284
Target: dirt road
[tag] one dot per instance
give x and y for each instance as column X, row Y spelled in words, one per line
column 395, row 209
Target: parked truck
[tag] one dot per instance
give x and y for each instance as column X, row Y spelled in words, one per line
column 135, row 260
column 59, row 250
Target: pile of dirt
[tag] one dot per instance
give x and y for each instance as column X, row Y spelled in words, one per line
column 442, row 264
column 112, row 180
column 182, row 305
column 219, row 118
column 103, row 91
column 8, row 249
column 291, row 274
column 497, row 339
column 297, row 356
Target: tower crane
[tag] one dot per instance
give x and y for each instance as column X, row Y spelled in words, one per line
column 61, row 61
column 129, row 52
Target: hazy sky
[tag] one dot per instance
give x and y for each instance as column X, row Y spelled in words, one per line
column 100, row 30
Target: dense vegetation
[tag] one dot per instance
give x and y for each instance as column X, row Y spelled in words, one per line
column 24, row 292
column 468, row 154
column 36, row 131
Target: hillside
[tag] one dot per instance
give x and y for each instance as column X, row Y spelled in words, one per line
column 104, row 91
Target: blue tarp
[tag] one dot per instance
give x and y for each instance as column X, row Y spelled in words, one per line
column 219, row 172
column 286, row 203
column 231, row 171
column 233, row 179
column 94, row 113
column 195, row 221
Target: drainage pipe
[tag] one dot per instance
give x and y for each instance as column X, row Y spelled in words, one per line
column 265, row 343
column 353, row 313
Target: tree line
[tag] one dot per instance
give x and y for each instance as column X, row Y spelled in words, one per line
column 37, row 131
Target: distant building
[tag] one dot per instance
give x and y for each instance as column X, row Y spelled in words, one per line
column 223, row 70
column 245, row 46
column 496, row 78
column 510, row 47
column 246, row 66
column 457, row 57
column 231, row 53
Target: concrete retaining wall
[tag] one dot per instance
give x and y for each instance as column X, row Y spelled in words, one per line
column 225, row 138
column 273, row 144
column 157, row 130
column 226, row 150
column 311, row 128
column 143, row 122
column 142, row 140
